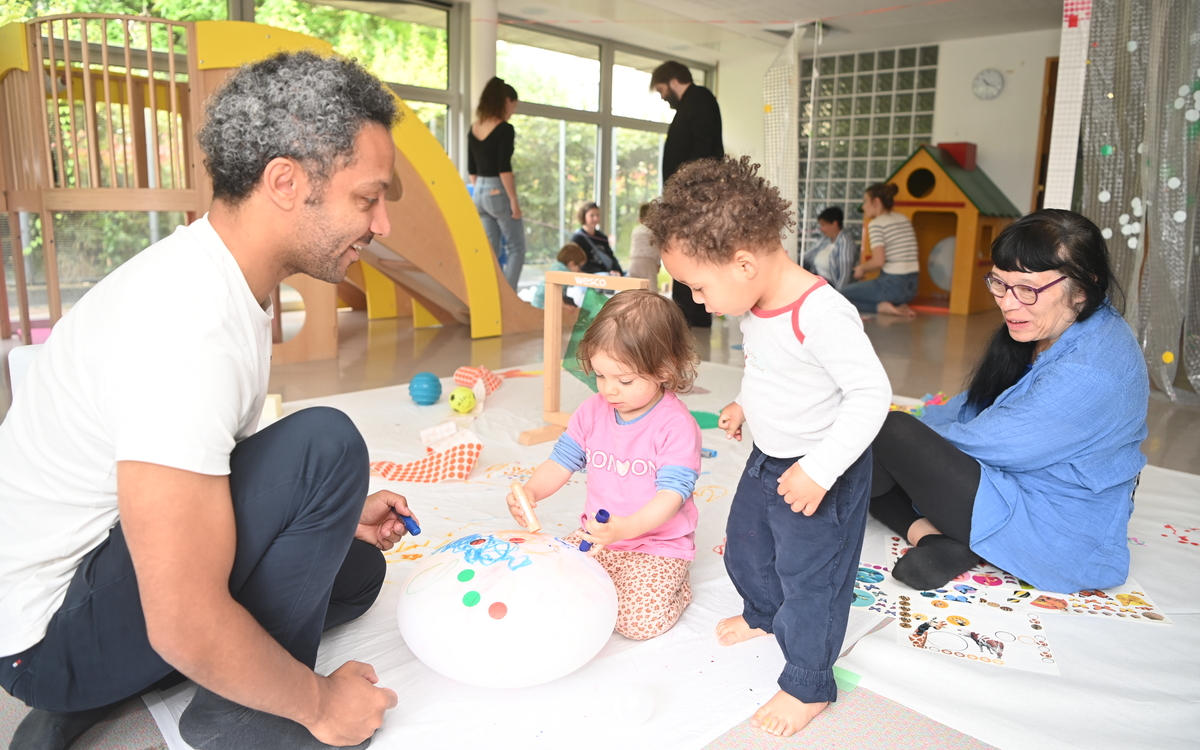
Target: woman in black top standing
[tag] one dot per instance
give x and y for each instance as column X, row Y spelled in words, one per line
column 489, row 162
column 600, row 254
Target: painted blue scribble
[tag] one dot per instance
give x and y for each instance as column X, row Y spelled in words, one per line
column 493, row 550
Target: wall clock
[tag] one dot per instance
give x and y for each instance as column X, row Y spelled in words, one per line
column 988, row 84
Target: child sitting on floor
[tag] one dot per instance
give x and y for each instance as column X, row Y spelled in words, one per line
column 643, row 255
column 813, row 393
column 570, row 258
column 641, row 448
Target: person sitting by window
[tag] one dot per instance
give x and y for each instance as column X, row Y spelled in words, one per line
column 644, row 258
column 595, row 243
column 834, row 255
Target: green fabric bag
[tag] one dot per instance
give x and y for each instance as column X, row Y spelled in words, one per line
column 592, row 302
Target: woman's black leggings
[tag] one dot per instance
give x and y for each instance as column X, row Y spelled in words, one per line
column 915, row 466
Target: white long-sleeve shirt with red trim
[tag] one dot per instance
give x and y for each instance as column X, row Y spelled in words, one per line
column 813, row 386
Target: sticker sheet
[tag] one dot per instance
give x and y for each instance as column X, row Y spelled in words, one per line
column 869, row 593
column 988, row 585
column 1012, row 640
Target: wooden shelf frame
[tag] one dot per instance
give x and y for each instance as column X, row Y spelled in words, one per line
column 552, row 351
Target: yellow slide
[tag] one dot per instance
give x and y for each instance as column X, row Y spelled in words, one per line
column 437, row 250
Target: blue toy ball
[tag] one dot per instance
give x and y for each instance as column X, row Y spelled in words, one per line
column 425, row 388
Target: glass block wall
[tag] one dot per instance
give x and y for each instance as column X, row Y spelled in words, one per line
column 867, row 113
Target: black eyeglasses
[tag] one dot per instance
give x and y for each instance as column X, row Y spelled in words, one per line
column 1025, row 294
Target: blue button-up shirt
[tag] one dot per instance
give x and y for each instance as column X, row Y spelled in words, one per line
column 1060, row 452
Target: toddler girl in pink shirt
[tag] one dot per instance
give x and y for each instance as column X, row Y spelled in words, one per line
column 641, row 448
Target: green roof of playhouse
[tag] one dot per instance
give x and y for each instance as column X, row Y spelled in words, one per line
column 976, row 185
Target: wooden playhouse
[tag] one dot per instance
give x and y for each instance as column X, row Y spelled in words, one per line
column 945, row 195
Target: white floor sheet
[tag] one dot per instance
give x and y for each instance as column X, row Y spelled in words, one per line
column 1121, row 684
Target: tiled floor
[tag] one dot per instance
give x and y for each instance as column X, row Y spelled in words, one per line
column 930, row 354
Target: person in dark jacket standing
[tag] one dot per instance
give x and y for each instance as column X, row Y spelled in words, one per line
column 695, row 133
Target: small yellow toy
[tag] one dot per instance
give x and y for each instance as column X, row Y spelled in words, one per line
column 462, row 399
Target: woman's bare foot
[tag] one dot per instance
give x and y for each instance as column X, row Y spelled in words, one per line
column 733, row 630
column 901, row 311
column 784, row 715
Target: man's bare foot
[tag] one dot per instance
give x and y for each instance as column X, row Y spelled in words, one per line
column 785, row 715
column 733, row 630
column 900, row 311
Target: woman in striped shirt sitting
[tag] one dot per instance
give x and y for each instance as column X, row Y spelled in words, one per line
column 893, row 251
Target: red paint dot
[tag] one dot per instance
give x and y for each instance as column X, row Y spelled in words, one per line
column 497, row 610
column 517, row 540
column 477, row 542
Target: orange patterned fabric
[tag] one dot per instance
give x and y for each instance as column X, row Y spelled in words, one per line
column 452, row 462
column 467, row 376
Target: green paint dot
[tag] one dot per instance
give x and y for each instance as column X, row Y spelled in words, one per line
column 471, row 598
column 1106, row 150
column 466, row 575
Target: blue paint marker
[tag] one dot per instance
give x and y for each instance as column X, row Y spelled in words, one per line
column 410, row 523
column 707, row 453
column 601, row 517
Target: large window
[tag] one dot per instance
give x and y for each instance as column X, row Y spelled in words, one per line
column 588, row 129
column 556, row 161
column 637, row 179
column 866, row 114
column 399, row 42
column 176, row 10
column 546, row 69
column 407, row 44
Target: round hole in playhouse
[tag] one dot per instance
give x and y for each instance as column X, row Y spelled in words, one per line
column 920, row 183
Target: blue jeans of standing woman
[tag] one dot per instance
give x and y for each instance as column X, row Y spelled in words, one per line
column 796, row 573
column 495, row 211
column 899, row 289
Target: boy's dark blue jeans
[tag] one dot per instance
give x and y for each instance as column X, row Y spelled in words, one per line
column 298, row 489
column 796, row 572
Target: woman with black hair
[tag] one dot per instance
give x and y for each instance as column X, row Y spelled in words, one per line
column 490, row 146
column 1033, row 467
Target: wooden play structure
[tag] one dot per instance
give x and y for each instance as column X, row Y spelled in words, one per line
column 944, row 194
column 552, row 348
column 99, row 113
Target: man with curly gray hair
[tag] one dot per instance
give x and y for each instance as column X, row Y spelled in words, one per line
column 150, row 531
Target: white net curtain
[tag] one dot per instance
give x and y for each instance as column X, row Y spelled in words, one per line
column 781, row 130
column 1140, row 143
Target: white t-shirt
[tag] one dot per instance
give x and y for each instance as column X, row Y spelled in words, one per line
column 813, row 386
column 895, row 233
column 165, row 361
column 641, row 244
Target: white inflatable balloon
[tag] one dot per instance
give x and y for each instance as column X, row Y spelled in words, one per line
column 508, row 609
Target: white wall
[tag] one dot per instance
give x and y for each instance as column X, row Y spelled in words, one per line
column 739, row 92
column 1005, row 128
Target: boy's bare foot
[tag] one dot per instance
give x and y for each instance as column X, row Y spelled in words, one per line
column 733, row 630
column 900, row 311
column 784, row 715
